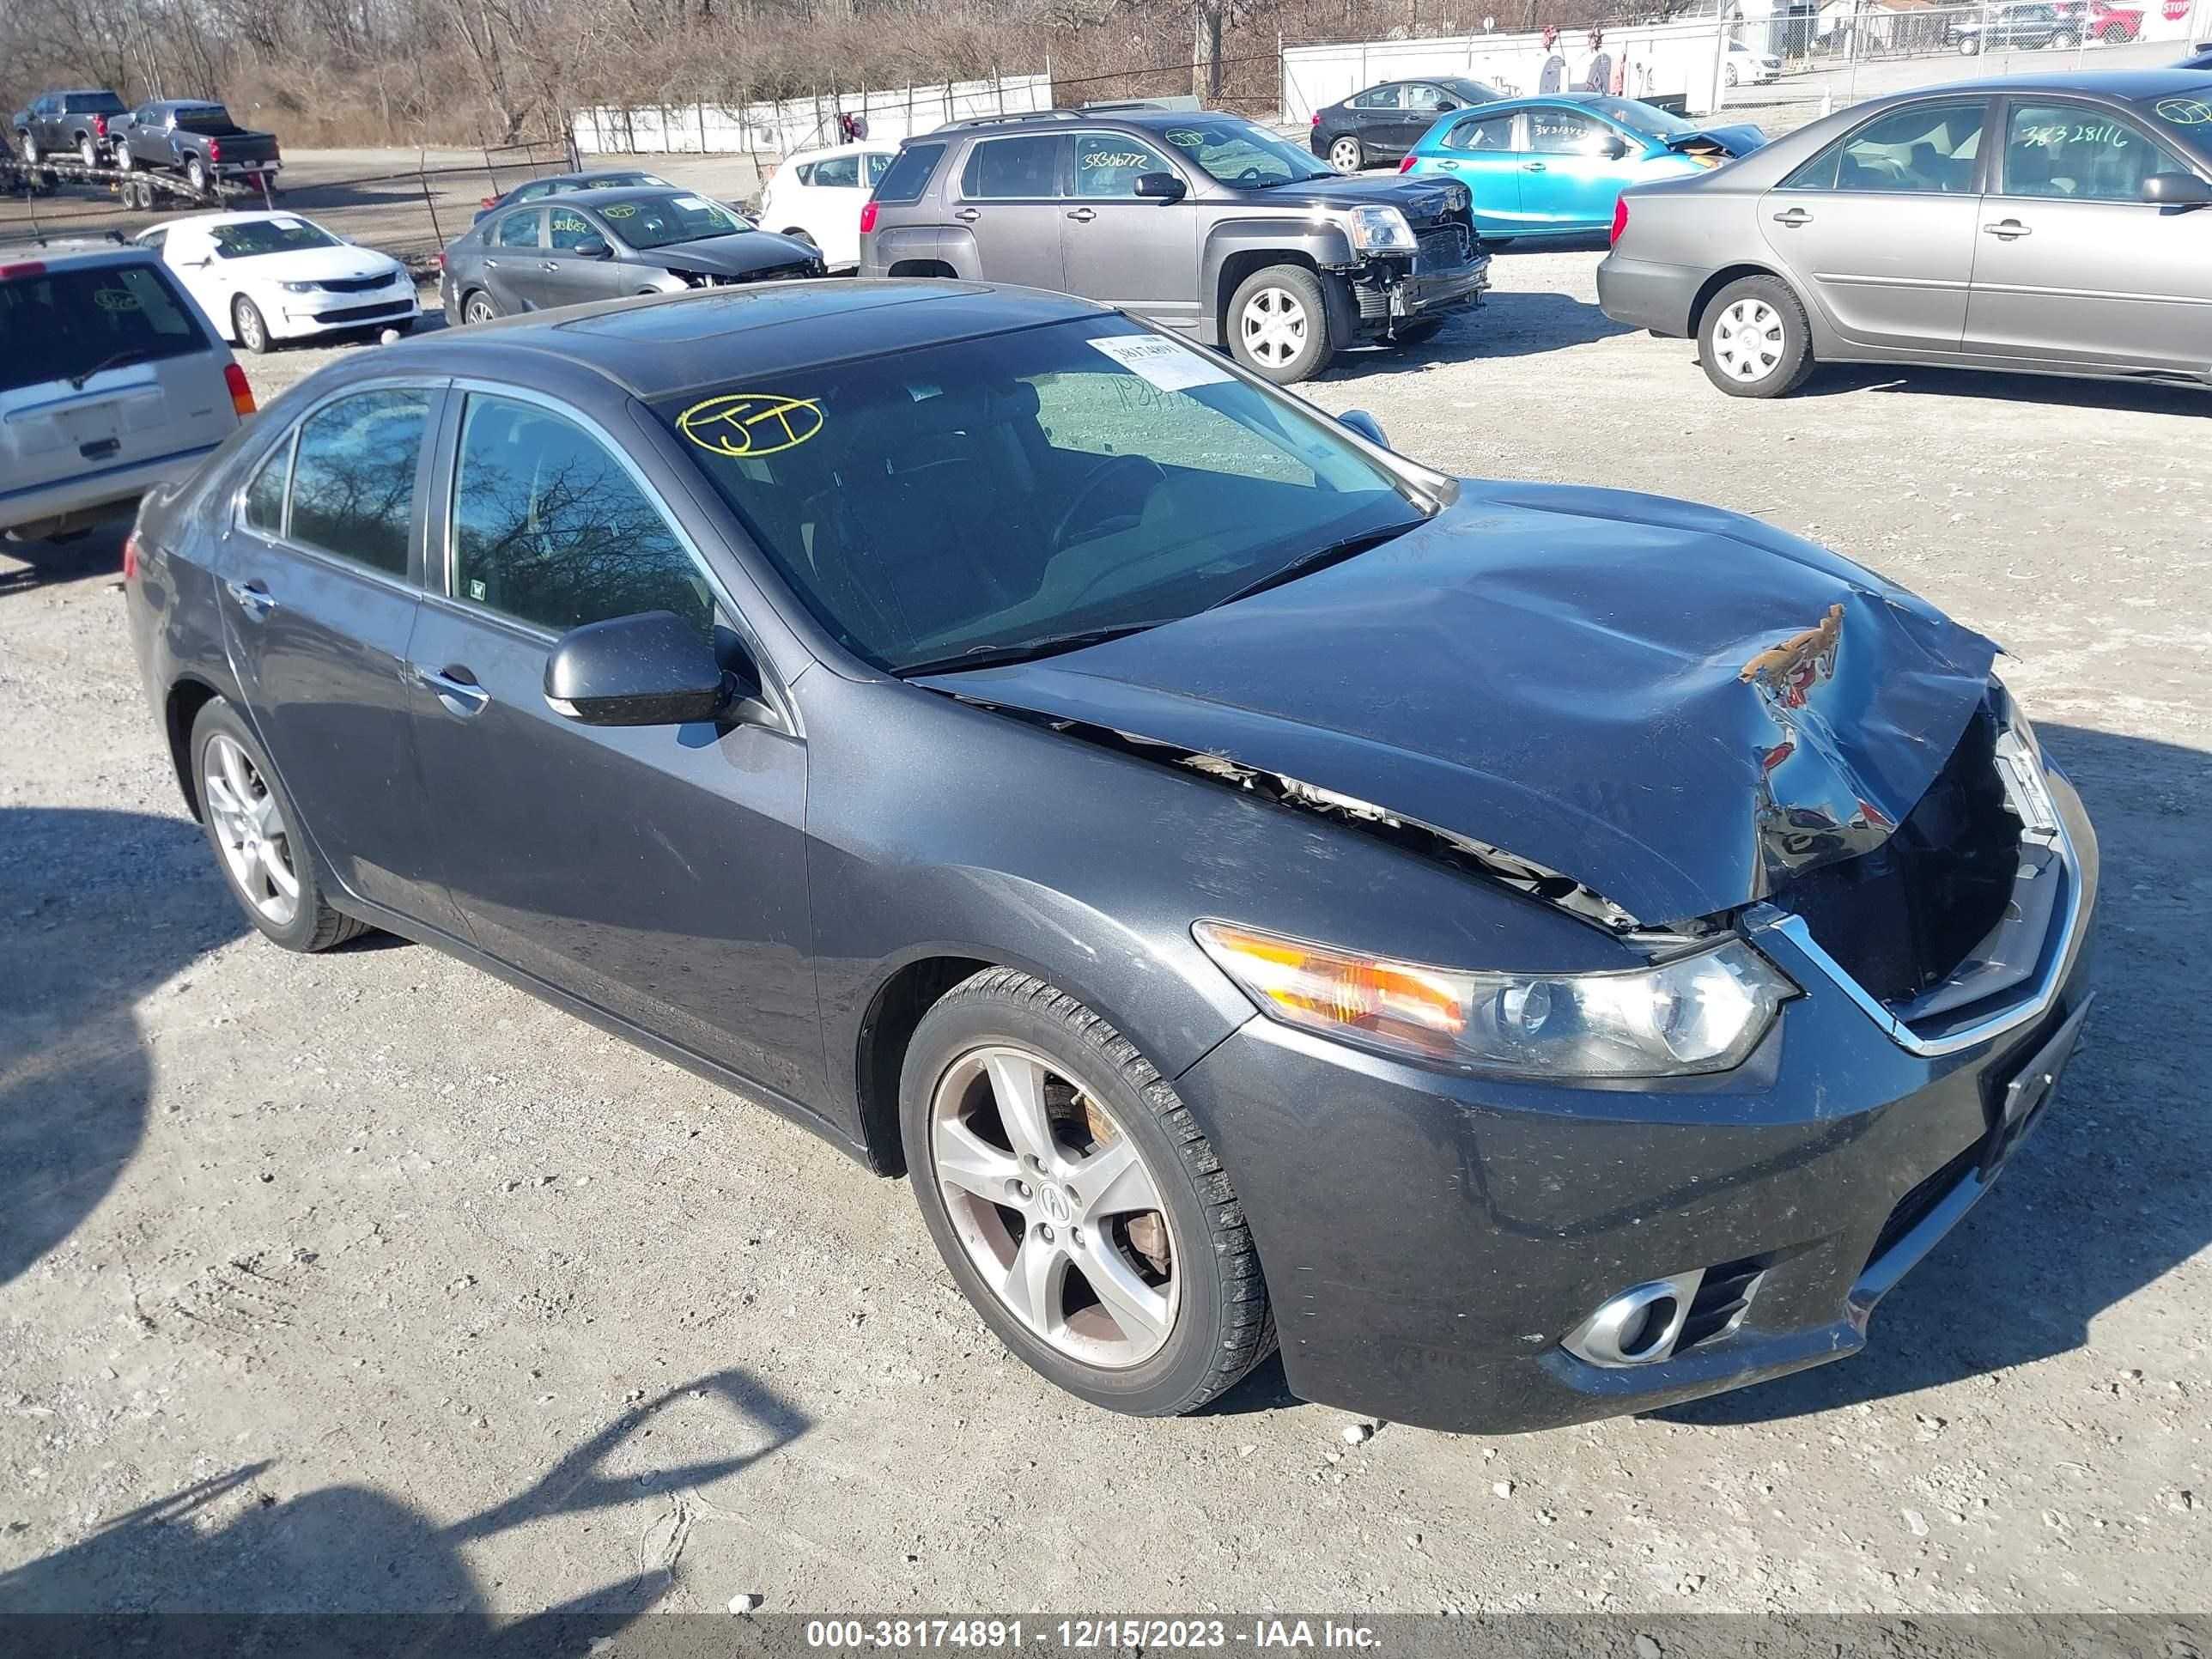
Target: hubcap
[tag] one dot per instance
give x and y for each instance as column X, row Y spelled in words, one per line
column 1274, row 327
column 256, row 844
column 1344, row 155
column 1748, row 340
column 1054, row 1206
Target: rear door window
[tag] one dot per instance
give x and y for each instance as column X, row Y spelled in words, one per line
column 551, row 528
column 877, row 166
column 1013, row 169
column 908, row 174
column 1492, row 133
column 1921, row 150
column 61, row 324
column 518, row 229
column 265, row 497
column 836, row 173
column 353, row 485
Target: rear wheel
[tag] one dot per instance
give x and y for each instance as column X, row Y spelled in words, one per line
column 478, row 308
column 88, row 150
column 195, row 173
column 1075, row 1202
column 1969, row 46
column 1278, row 324
column 1728, row 75
column 1347, row 154
column 251, row 328
column 799, row 235
column 2065, row 40
column 1754, row 339
column 251, row 825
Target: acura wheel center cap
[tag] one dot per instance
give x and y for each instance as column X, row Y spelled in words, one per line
column 1054, row 1201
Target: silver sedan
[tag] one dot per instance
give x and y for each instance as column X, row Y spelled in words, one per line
column 2047, row 224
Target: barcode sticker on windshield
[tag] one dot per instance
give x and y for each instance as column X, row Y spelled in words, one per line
column 690, row 204
column 1165, row 364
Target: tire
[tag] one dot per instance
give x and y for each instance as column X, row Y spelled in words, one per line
column 1295, row 345
column 122, row 162
column 1208, row 1309
column 88, row 150
column 1753, row 340
column 250, row 327
column 28, row 147
column 1347, row 154
column 403, row 327
column 1969, row 46
column 195, row 173
column 303, row 920
column 1728, row 75
column 2065, row 40
column 798, row 235
column 476, row 306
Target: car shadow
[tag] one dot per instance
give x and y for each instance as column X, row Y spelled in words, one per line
column 1515, row 323
column 97, row 908
column 2059, row 392
column 99, row 551
column 295, row 1574
column 2113, row 1191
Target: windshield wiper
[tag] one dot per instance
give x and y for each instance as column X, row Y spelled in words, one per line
column 1045, row 645
column 118, row 359
column 1307, row 563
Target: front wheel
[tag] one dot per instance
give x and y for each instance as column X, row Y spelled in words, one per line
column 1278, row 324
column 1728, row 75
column 1968, row 47
column 1754, row 341
column 1075, row 1202
column 1347, row 154
column 254, row 828
column 29, row 147
column 2063, row 41
column 122, row 162
column 251, row 328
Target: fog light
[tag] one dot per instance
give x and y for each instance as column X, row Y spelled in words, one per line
column 1638, row 1327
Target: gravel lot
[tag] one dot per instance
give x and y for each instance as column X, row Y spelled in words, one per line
column 365, row 1281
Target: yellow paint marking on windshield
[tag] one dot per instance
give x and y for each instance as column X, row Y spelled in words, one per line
column 751, row 424
column 2184, row 111
column 620, row 209
column 115, row 298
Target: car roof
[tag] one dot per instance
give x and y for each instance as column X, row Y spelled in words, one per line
column 588, row 173
column 604, row 199
column 858, row 147
column 2130, row 85
column 240, row 216
column 659, row 344
column 64, row 253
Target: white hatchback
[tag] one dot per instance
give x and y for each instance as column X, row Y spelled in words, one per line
column 262, row 278
column 818, row 194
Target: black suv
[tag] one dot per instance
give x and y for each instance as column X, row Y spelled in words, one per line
column 1206, row 224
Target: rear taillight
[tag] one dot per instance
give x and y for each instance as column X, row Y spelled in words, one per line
column 130, row 557
column 242, row 395
column 100, row 126
column 30, row 268
column 441, row 258
column 215, row 150
column 1316, row 120
column 1406, row 165
column 868, row 217
column 1619, row 216
column 488, row 201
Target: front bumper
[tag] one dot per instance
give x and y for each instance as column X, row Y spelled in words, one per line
column 1388, row 294
column 323, row 313
column 1430, row 1239
column 91, row 494
column 1643, row 294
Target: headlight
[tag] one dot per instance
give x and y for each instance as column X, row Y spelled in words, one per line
column 1702, row 1012
column 1381, row 230
column 303, row 288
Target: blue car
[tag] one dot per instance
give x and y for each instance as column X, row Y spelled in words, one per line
column 1555, row 167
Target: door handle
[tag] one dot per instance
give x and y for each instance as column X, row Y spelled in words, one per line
column 969, row 215
column 253, row 599
column 547, row 265
column 1083, row 216
column 1533, row 167
column 454, row 687
column 1795, row 217
column 2009, row 228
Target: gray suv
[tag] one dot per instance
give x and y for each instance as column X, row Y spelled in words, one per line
column 1206, row 224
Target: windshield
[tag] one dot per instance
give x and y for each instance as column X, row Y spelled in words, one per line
column 971, row 500
column 1646, row 118
column 61, row 324
column 243, row 241
column 665, row 220
column 2186, row 119
column 1471, row 92
column 1238, row 152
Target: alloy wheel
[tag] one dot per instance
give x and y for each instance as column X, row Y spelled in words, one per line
column 478, row 310
column 1747, row 340
column 1344, row 155
column 1274, row 327
column 1053, row 1204
column 30, row 149
column 252, row 333
column 87, row 152
column 256, row 844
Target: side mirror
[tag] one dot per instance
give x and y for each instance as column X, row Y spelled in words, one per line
column 2177, row 190
column 1365, row 425
column 652, row 669
column 1161, row 186
column 1613, row 148
column 596, row 248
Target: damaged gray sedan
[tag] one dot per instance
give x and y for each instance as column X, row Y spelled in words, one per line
column 1536, row 953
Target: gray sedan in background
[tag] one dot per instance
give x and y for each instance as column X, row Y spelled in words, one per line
column 2049, row 224
column 569, row 250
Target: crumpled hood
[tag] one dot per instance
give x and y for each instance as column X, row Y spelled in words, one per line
column 737, row 255
column 1737, row 138
column 1678, row 706
column 1425, row 202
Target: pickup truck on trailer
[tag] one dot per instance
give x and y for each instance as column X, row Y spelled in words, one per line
column 60, row 123
column 195, row 138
